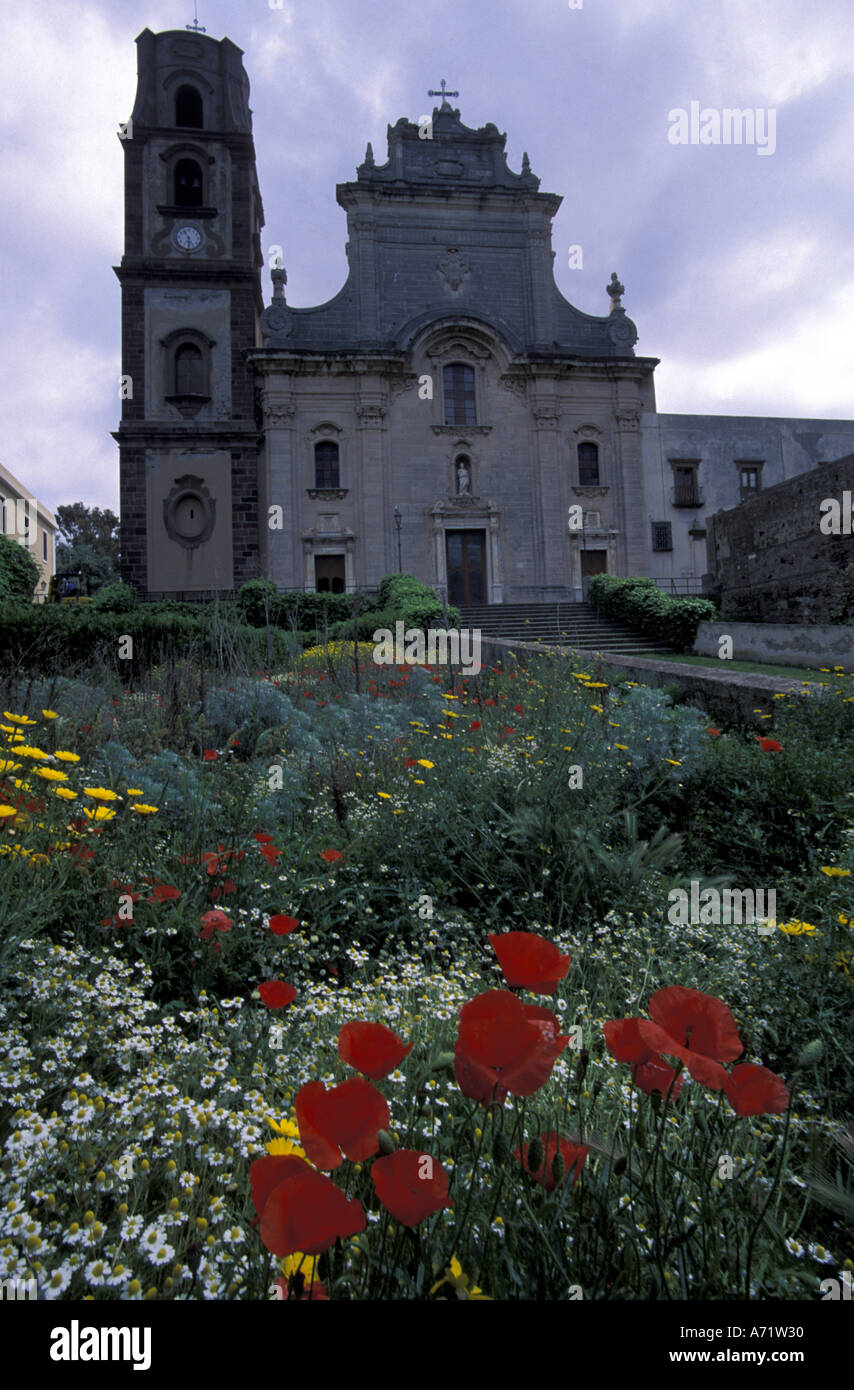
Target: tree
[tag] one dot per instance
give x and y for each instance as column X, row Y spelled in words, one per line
column 89, row 543
column 91, row 526
column 19, row 572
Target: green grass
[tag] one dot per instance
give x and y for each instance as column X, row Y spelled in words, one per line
column 756, row 668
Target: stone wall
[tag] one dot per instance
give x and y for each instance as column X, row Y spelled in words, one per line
column 782, row 644
column 769, row 560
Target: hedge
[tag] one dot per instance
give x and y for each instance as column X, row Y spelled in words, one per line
column 50, row 638
column 640, row 604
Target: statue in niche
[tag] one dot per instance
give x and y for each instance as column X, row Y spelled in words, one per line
column 463, row 479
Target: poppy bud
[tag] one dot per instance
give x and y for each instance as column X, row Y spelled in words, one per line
column 811, row 1054
column 444, row 1059
column 558, row 1168
column 385, row 1142
column 500, row 1147
column 535, row 1155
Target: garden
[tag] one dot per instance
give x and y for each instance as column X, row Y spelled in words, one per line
column 330, row 980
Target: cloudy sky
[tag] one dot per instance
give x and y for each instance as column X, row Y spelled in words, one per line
column 738, row 266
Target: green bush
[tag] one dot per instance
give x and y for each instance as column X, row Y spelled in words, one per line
column 308, row 611
column 47, row 639
column 643, row 606
column 19, row 572
column 115, row 598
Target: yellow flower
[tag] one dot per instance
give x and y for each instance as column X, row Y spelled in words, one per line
column 597, row 685
column 66, row 757
column 673, row 762
column 101, row 794
column 300, row 1263
column 66, row 793
column 99, row 813
column 425, row 762
column 797, row 928
column 833, row 872
column 34, row 753
column 460, row 1283
column 622, row 747
column 598, row 709
column 51, row 774
column 17, row 718
column 50, row 714
column 134, row 791
column 7, row 811
column 143, row 810
column 9, row 767
column 385, row 795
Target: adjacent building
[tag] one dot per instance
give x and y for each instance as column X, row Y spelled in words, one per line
column 28, row 521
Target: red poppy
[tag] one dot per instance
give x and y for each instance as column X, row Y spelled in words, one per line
column 342, row 1122
column 768, row 745
column 299, row 1208
column 475, row 724
column 371, row 1048
column 220, row 889
column 649, row 1073
column 410, row 762
column 573, row 1156
column 276, row 994
column 331, row 855
column 280, row 924
column 528, row 961
column 507, row 730
column 715, row 732
column 690, row 1025
column 517, row 709
column 504, row 1045
column 164, row 892
column 411, row 1185
column 215, row 920
column 270, row 853
column 753, row 1090
column 210, row 755
column 262, row 837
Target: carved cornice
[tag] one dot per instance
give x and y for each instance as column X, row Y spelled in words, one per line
column 278, row 414
column 327, row 494
column 590, row 491
column 545, row 416
column 371, row 416
column 628, row 419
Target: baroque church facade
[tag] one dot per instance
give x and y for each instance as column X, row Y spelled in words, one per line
column 447, row 412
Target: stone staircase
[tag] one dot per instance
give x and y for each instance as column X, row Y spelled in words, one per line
column 557, row 624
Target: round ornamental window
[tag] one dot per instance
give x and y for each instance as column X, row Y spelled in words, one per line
column 190, row 517
column 189, row 512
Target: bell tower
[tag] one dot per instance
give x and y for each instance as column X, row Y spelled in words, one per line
column 189, row 440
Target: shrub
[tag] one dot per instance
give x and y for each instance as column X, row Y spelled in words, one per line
column 642, row 605
column 308, row 611
column 115, row 598
column 19, row 572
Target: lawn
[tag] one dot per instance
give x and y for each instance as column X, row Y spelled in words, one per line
column 755, row 668
column 375, row 987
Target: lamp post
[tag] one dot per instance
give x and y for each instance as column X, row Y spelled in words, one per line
column 398, row 521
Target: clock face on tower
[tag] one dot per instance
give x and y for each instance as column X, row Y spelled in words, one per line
column 188, row 238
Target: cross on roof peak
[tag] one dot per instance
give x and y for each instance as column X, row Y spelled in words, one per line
column 196, row 26
column 443, row 93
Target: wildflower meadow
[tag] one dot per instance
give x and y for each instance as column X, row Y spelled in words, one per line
column 363, row 982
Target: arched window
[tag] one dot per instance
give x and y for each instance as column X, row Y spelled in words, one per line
column 189, row 371
column 459, row 394
column 189, row 187
column 327, row 473
column 188, row 108
column 588, row 465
